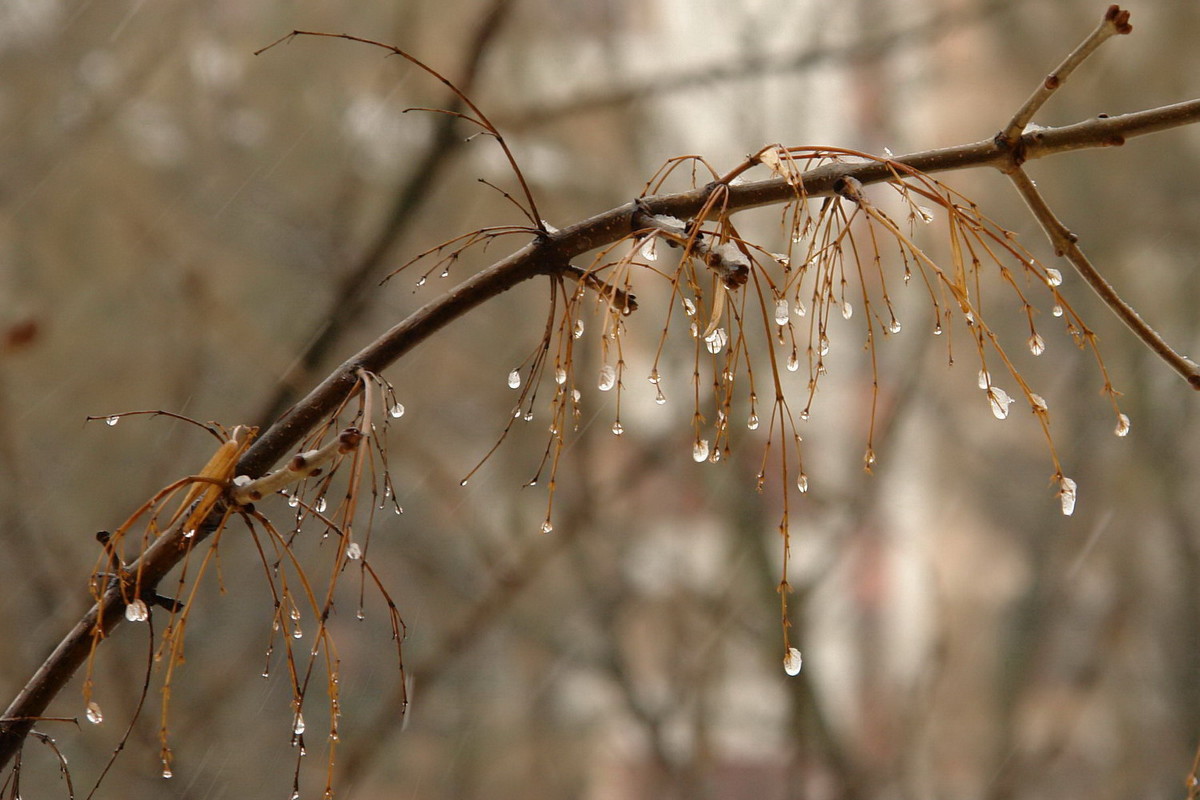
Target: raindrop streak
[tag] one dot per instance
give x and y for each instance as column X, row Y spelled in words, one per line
column 137, row 611
column 1122, row 428
column 1066, row 494
column 700, row 451
column 1000, row 402
column 94, row 715
column 1037, row 345
column 514, row 380
column 792, row 662
column 397, row 410
column 112, row 421
column 608, row 378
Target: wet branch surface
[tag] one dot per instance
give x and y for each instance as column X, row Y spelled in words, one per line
column 549, row 254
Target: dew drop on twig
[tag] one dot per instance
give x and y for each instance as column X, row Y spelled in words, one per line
column 321, row 505
column 94, row 714
column 1122, row 428
column 353, row 551
column 1000, row 402
column 689, row 307
column 514, row 379
column 1037, row 345
column 1053, row 277
column 1066, row 493
column 618, row 428
column 752, row 422
column 1039, row 402
column 715, row 342
column 397, row 410
column 298, row 724
column 847, row 310
column 700, row 450
column 608, row 378
column 137, row 611
column 792, row 662
column 110, row 421
column 578, row 331
column 894, row 326
column 560, row 376
column 985, row 380
column 781, row 312
column 1057, row 310
column 802, row 482
column 547, row 526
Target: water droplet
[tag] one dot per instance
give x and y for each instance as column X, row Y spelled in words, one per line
column 560, row 376
column 937, row 329
column 190, row 533
column 528, row 416
column 294, row 501
column 799, row 310
column 894, row 327
column 782, row 260
column 1037, row 345
column 166, row 773
column 792, row 662
column 985, row 380
column 298, row 724
column 445, row 273
column 576, row 395
column 689, row 307
column 1039, row 402
column 321, row 505
column 868, row 459
column 618, row 428
column 926, row 214
column 700, row 450
column 608, row 378
column 397, row 410
column 514, row 380
column 887, row 151
column 1053, row 276
column 1057, row 310
column 793, row 362
column 716, row 341
column 578, row 329
column 659, row 397
column 752, row 423
column 847, row 310
column 112, row 421
column 421, row 280
column 823, row 345
column 137, row 611
column 94, row 714
column 781, row 312
column 650, row 249
column 1000, row 401
column 695, row 330
column 353, row 551
column 1122, row 428
column 802, row 482
column 547, row 526
column 1066, row 493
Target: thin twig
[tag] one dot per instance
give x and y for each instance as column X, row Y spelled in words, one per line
column 1115, row 22
column 1066, row 245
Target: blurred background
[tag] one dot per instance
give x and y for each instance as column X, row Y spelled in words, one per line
column 181, row 222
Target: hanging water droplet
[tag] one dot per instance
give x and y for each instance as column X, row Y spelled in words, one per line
column 752, row 422
column 700, row 450
column 618, row 428
column 1053, row 277
column 869, row 459
column 802, row 482
column 985, row 380
column 298, row 724
column 294, row 500
column 1000, row 402
column 695, row 330
column 1037, row 345
column 1039, row 402
column 397, row 410
column 578, row 329
column 528, row 416
column 847, row 310
column 1057, row 310
column 781, row 312
column 166, row 772
column 715, row 342
column 445, row 273
column 650, row 249
column 792, row 662
column 353, row 551
column 113, row 420
column 321, row 505
column 793, row 362
column 782, row 260
column 560, row 376
column 799, row 309
column 514, row 379
column 94, row 714
column 823, row 345
column 894, row 327
column 926, row 214
column 689, row 307
column 937, row 329
column 190, row 533
column 1066, row 493
column 608, row 377
column 547, row 526
column 421, row 280
column 137, row 611
column 1122, row 428
column 576, row 394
